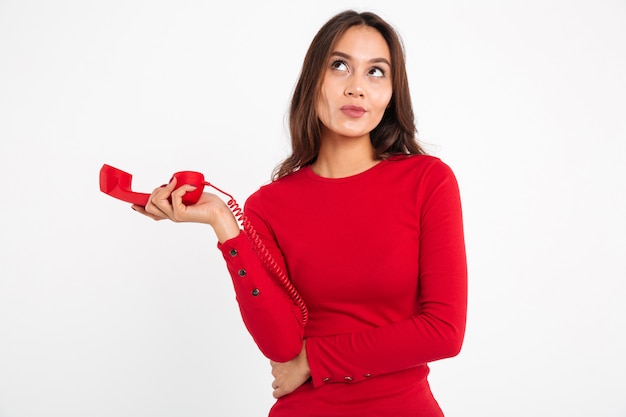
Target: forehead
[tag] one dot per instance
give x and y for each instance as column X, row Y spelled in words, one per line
column 363, row 42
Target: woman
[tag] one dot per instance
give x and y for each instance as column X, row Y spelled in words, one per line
column 367, row 227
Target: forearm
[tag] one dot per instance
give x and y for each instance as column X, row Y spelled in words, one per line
column 384, row 350
column 271, row 317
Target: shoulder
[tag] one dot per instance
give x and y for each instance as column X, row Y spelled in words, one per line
column 278, row 189
column 423, row 176
column 423, row 166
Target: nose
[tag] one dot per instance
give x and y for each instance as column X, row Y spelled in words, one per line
column 354, row 89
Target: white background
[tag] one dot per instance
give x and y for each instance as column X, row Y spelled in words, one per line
column 106, row 313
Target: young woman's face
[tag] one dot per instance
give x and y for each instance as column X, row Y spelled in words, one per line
column 357, row 85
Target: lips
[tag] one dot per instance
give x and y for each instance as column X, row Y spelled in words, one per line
column 353, row 111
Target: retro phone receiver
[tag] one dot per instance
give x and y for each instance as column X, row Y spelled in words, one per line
column 118, row 184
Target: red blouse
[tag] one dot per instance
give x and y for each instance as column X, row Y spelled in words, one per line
column 379, row 258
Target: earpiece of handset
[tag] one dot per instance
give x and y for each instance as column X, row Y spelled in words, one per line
column 118, row 184
column 190, row 178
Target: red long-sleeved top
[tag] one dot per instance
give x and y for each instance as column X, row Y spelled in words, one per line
column 379, row 258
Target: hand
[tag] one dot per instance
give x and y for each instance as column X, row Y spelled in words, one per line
column 166, row 203
column 288, row 376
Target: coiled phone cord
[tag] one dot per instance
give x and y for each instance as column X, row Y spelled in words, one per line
column 266, row 257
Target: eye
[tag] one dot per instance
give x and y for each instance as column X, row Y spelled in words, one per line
column 339, row 65
column 376, row 72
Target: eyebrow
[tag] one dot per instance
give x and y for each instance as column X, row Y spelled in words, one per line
column 373, row 60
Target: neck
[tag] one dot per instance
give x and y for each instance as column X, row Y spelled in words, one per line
column 345, row 157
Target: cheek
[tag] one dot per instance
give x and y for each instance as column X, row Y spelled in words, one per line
column 382, row 101
column 380, row 107
column 321, row 107
column 384, row 98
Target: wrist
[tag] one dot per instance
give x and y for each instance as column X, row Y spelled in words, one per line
column 225, row 225
column 305, row 359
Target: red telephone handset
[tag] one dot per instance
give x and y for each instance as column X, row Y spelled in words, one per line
column 118, row 184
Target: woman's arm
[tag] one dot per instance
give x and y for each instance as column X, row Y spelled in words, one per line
column 270, row 316
column 436, row 330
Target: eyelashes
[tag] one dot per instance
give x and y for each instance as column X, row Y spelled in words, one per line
column 377, row 72
column 342, row 65
column 339, row 64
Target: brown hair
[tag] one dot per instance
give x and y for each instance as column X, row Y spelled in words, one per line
column 396, row 132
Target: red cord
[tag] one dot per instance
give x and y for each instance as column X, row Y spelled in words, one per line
column 266, row 257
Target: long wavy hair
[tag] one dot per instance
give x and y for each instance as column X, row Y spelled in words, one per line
column 396, row 132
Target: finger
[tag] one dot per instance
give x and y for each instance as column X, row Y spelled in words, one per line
column 179, row 209
column 171, row 185
column 163, row 192
column 142, row 210
column 159, row 201
column 275, row 370
column 281, row 387
column 155, row 210
column 276, row 391
column 280, row 392
column 178, row 194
